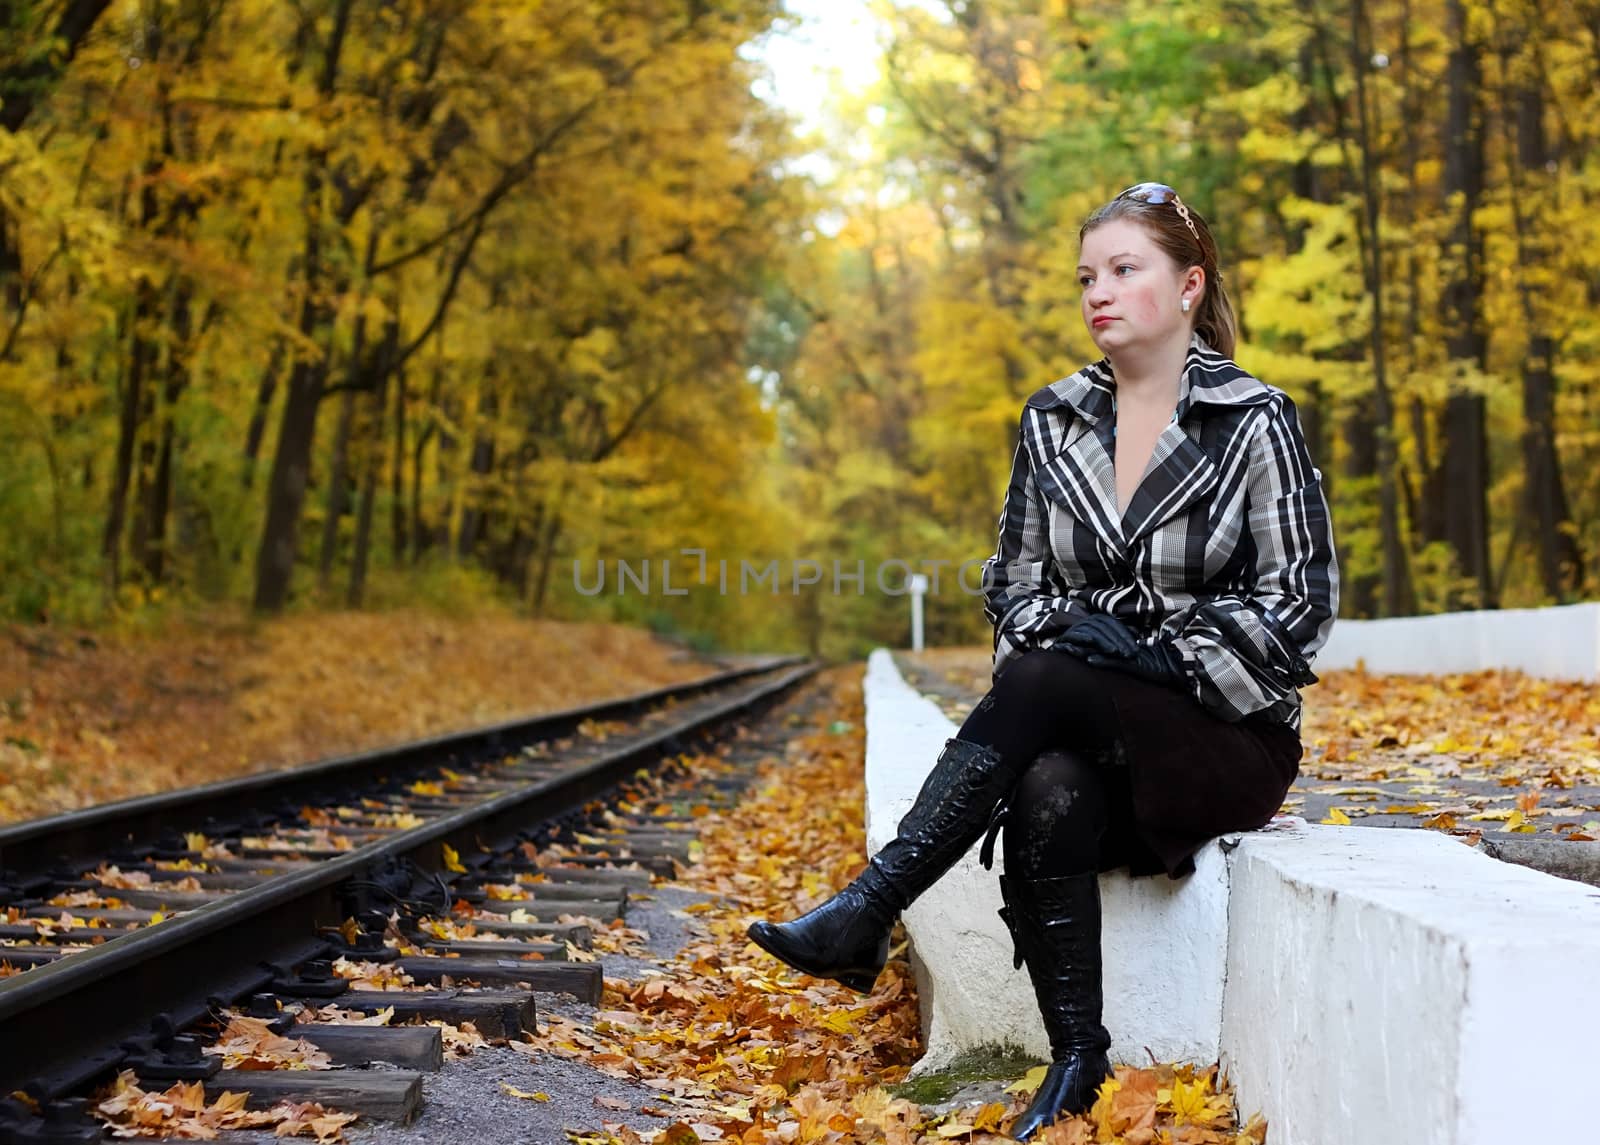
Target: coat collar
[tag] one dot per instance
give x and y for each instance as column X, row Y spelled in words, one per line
column 1208, row 379
column 1073, row 458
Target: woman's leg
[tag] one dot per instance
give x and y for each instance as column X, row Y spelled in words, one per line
column 1042, row 699
column 1056, row 817
column 1058, row 812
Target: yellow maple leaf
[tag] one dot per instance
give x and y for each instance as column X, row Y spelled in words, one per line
column 1517, row 822
column 1028, row 1082
column 523, row 1093
column 452, row 859
column 1189, row 1104
column 842, row 1021
column 1336, row 817
column 989, row 1117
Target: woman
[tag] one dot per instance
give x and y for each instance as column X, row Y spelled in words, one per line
column 1164, row 573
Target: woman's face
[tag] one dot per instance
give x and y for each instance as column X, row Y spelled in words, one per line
column 1132, row 291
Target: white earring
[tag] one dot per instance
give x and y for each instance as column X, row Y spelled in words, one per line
column 1186, row 306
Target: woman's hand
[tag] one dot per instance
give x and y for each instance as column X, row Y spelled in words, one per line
column 1105, row 642
column 1159, row 663
column 1101, row 634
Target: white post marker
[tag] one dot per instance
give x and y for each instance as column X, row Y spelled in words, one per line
column 919, row 587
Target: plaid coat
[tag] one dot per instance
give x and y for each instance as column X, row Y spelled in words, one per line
column 1226, row 547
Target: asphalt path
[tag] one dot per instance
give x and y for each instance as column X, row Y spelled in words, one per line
column 1427, row 791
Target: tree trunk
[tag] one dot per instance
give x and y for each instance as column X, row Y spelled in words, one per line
column 128, row 424
column 420, row 538
column 1308, row 185
column 480, row 468
column 397, row 475
column 1422, row 496
column 1427, row 522
column 337, row 502
column 547, row 548
column 1397, row 595
column 1361, row 468
column 158, row 502
column 1544, row 492
column 291, row 463
column 265, row 390
column 1465, row 461
column 360, row 377
column 372, row 463
column 31, row 78
column 291, row 469
column 356, row 593
column 297, row 427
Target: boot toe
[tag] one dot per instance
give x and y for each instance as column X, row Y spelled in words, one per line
column 857, row 966
column 1070, row 1086
column 772, row 938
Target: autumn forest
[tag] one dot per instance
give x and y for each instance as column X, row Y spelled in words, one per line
column 346, row 303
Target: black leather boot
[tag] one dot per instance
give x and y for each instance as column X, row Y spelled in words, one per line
column 1056, row 925
column 847, row 937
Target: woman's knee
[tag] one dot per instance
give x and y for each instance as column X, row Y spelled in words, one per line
column 1062, row 785
column 1059, row 811
column 1044, row 676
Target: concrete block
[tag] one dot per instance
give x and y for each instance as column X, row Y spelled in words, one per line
column 1561, row 643
column 1382, row 985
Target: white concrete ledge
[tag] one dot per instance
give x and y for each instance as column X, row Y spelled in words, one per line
column 1363, row 986
column 1560, row 643
column 1393, row 985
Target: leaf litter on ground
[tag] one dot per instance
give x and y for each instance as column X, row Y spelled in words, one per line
column 181, row 1111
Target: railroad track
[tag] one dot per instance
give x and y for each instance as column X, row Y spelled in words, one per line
column 125, row 925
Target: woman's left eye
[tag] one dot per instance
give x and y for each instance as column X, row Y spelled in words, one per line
column 1124, row 266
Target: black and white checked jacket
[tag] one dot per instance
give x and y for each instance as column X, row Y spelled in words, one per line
column 1226, row 547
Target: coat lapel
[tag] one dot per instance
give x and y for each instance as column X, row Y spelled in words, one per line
column 1082, row 479
column 1179, row 474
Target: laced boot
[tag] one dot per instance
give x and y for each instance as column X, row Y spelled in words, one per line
column 1056, row 925
column 847, row 937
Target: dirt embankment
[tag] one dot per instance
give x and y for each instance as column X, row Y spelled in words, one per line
column 88, row 717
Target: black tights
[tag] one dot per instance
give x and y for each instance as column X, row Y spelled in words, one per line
column 1049, row 709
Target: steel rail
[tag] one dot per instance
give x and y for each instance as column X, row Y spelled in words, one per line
column 61, row 1025
column 41, row 847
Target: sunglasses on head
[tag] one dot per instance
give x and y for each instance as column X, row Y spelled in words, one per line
column 1156, row 194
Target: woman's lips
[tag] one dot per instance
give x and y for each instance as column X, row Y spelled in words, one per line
column 1101, row 320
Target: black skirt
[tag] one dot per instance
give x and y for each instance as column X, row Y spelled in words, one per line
column 1180, row 776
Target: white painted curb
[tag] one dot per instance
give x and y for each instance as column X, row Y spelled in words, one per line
column 1561, row 643
column 1393, row 985
column 1362, row 986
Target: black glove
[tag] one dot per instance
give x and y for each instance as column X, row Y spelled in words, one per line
column 1101, row 634
column 1159, row 663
